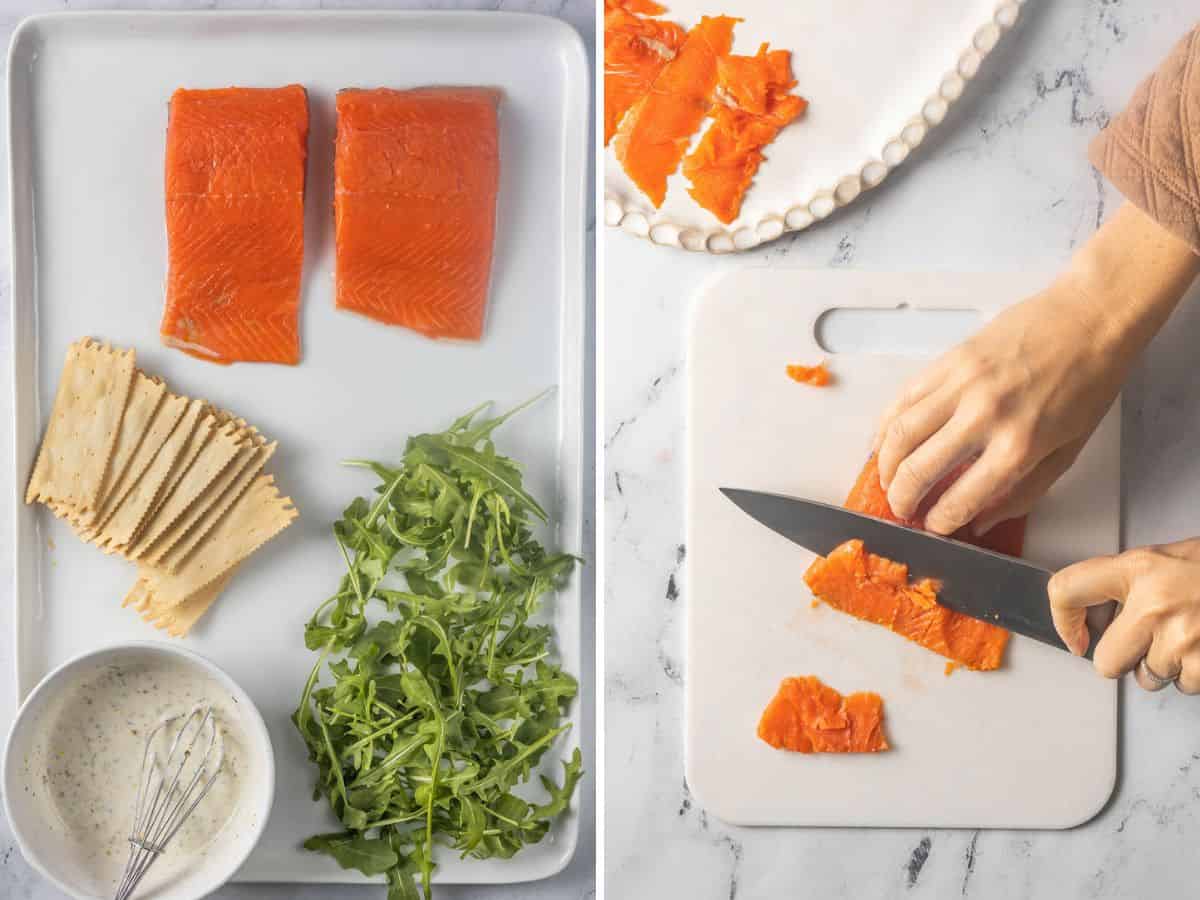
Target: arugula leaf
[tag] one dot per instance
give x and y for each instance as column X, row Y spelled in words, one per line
column 402, row 885
column 434, row 711
column 371, row 856
column 561, row 796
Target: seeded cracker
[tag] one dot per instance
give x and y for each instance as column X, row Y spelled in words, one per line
column 120, row 529
column 221, row 494
column 145, row 395
column 257, row 516
column 176, row 621
column 92, row 392
column 144, row 398
column 147, row 473
column 198, row 441
column 216, row 456
column 161, row 427
column 178, row 554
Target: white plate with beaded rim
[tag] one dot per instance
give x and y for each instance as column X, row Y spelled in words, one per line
column 878, row 77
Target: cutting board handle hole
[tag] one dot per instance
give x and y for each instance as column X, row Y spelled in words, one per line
column 900, row 331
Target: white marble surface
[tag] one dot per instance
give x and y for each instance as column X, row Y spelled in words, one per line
column 17, row 880
column 1004, row 184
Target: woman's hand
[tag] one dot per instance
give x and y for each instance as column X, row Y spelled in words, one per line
column 1159, row 619
column 1022, row 396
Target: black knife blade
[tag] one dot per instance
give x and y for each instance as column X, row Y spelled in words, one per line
column 1004, row 590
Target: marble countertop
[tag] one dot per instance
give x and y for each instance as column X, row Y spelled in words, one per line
column 17, row 880
column 1003, row 184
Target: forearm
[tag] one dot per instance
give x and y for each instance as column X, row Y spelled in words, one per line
column 1129, row 277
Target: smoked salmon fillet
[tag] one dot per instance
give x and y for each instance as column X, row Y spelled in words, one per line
column 636, row 49
column 654, row 135
column 752, row 106
column 878, row 590
column 235, row 223
column 416, row 177
column 808, row 716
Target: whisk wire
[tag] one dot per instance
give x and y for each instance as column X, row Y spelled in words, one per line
column 160, row 809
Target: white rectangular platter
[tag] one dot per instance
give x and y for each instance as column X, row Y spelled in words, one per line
column 88, row 109
column 1031, row 745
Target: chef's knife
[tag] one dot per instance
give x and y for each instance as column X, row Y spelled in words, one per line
column 984, row 585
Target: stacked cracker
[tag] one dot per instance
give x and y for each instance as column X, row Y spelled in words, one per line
column 168, row 482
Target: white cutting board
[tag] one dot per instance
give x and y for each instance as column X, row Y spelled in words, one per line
column 88, row 105
column 1032, row 745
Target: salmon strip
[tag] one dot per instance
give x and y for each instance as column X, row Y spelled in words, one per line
column 417, row 174
column 635, row 51
column 807, row 716
column 878, row 590
column 235, row 223
column 753, row 105
column 655, row 133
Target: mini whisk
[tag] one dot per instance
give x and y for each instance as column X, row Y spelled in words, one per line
column 171, row 787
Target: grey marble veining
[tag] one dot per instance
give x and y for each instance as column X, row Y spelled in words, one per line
column 1004, row 183
column 17, row 880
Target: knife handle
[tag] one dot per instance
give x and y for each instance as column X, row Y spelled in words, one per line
column 1098, row 619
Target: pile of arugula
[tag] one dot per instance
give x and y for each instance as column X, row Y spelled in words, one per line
column 444, row 704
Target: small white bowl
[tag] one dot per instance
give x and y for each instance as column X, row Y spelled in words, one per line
column 43, row 847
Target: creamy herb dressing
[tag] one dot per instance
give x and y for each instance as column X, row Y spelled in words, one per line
column 86, row 758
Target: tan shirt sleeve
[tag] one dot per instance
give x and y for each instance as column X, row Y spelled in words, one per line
column 1151, row 151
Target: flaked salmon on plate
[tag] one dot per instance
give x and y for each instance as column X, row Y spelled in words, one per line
column 728, row 124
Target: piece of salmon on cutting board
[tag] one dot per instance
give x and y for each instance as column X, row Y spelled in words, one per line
column 1030, row 745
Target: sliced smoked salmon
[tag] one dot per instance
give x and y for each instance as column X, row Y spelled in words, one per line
column 752, row 106
column 636, row 49
column 235, row 223
column 416, row 176
column 808, row 716
column 877, row 590
column 817, row 376
column 654, row 134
